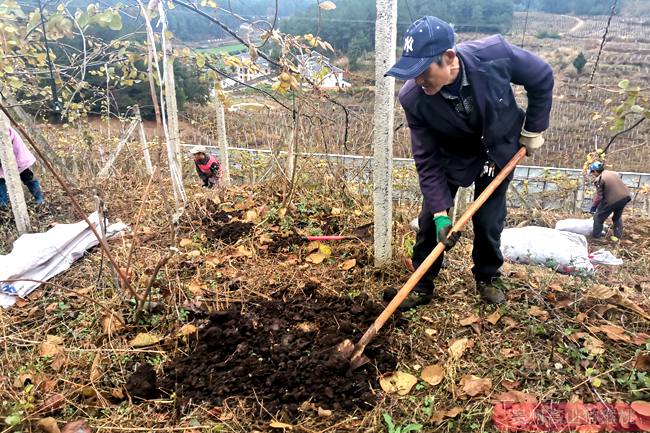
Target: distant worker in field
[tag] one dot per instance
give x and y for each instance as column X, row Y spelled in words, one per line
column 24, row 159
column 465, row 126
column 611, row 198
column 207, row 166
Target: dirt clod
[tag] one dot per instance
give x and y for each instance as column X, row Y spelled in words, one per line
column 283, row 352
column 143, row 383
column 229, row 233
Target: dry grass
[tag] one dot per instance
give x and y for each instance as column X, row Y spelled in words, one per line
column 90, row 367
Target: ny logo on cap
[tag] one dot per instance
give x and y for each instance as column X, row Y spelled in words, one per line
column 408, row 44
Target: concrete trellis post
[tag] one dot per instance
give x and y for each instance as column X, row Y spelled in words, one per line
column 143, row 141
column 383, row 120
column 223, row 143
column 12, row 178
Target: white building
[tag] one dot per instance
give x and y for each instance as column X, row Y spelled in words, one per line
column 248, row 71
column 322, row 72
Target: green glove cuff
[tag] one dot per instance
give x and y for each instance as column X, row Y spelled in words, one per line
column 441, row 221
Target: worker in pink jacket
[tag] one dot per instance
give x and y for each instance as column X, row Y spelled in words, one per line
column 24, row 159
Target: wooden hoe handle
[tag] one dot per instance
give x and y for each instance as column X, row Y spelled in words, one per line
column 433, row 256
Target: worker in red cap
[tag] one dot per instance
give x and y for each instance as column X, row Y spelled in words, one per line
column 207, row 166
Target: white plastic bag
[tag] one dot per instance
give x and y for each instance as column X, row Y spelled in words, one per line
column 604, row 257
column 563, row 251
column 576, row 225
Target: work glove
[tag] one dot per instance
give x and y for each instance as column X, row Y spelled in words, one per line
column 443, row 227
column 592, row 210
column 531, row 141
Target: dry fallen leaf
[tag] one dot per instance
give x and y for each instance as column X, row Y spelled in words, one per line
column 594, row 346
column 614, row 332
column 538, row 312
column 642, row 363
column 316, row 258
column 95, row 368
column 397, row 382
column 52, row 403
column 265, row 239
column 324, row 412
column 433, row 374
column 48, row 425
column 242, row 251
column 348, row 264
column 458, row 347
column 474, row 385
column 183, row 243
column 430, row 332
column 472, row 318
column 187, row 329
column 145, row 339
column 111, row 323
column 58, row 361
column 251, row 216
column 494, row 317
column 514, row 396
column 51, row 346
column 79, row 426
column 508, row 352
column 312, row 246
column 278, row 424
column 439, row 415
column 640, row 338
column 510, row 384
column 599, row 291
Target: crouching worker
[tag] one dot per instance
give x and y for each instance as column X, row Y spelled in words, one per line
column 207, row 166
column 611, row 197
column 24, row 159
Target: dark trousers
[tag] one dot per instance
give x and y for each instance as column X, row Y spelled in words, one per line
column 26, row 176
column 488, row 224
column 603, row 212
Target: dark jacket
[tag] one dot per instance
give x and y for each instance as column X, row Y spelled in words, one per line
column 609, row 189
column 439, row 136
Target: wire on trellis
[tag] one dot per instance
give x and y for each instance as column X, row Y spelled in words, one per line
column 523, row 35
column 602, row 43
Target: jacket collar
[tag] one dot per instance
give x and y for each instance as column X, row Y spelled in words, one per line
column 477, row 78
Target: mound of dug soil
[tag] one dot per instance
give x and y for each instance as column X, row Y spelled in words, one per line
column 283, row 353
column 229, row 233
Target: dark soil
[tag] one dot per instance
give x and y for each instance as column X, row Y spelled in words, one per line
column 283, row 353
column 143, row 383
column 229, row 233
column 221, row 217
column 286, row 243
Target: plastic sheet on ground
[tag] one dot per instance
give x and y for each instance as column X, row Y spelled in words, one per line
column 38, row 257
column 563, row 251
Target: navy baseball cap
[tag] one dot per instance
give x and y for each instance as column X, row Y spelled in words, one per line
column 424, row 39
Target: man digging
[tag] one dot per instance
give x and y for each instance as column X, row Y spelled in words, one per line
column 612, row 195
column 465, row 126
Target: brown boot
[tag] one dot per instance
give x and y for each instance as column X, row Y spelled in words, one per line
column 491, row 292
column 414, row 299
